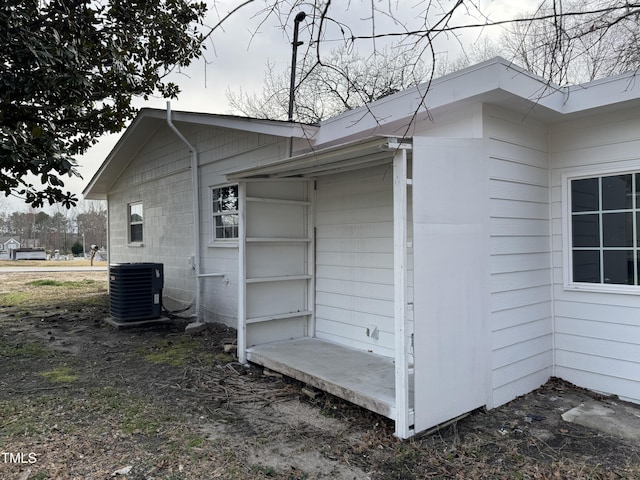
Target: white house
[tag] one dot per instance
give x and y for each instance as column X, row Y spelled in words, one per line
column 7, row 244
column 444, row 249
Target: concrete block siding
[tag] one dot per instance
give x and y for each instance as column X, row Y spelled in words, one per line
column 159, row 177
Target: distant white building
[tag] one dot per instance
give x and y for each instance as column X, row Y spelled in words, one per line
column 442, row 249
column 6, row 245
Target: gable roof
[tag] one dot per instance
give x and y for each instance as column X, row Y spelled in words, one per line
column 149, row 120
column 496, row 81
column 5, row 240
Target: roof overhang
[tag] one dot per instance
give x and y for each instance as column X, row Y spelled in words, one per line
column 147, row 123
column 369, row 152
column 497, row 82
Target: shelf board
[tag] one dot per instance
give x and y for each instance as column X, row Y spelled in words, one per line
column 276, row 200
column 283, row 278
column 277, row 240
column 279, row 316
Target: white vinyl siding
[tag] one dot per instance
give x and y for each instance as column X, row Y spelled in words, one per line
column 354, row 259
column 597, row 332
column 521, row 310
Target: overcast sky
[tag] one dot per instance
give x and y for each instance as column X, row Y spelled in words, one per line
column 237, row 55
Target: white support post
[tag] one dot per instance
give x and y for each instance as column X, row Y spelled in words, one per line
column 242, row 273
column 311, row 258
column 400, row 301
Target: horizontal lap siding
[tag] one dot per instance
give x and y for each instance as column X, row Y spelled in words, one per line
column 521, row 325
column 354, row 259
column 597, row 334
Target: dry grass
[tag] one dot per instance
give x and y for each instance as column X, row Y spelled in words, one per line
column 35, row 290
column 84, row 262
column 88, row 400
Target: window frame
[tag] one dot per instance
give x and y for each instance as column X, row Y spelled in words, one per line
column 226, row 241
column 567, row 230
column 130, row 224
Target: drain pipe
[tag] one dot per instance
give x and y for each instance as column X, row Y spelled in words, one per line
column 196, row 209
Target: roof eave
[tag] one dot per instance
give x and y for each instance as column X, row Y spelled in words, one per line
column 149, row 120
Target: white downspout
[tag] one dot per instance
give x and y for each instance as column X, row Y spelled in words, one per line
column 196, row 209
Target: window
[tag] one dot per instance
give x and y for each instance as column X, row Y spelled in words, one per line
column 135, row 223
column 605, row 224
column 225, row 212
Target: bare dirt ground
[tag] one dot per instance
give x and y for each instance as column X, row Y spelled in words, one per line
column 80, row 399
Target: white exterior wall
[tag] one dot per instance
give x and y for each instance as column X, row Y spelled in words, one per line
column 160, row 178
column 597, row 334
column 521, row 302
column 354, row 259
column 451, row 250
column 221, row 151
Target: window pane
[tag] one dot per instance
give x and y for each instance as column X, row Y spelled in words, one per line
column 586, row 230
column 618, row 266
column 586, row 266
column 226, row 226
column 616, row 192
column 584, row 195
column 225, row 199
column 135, row 213
column 136, row 233
column 617, row 229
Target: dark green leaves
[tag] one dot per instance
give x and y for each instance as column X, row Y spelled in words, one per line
column 68, row 73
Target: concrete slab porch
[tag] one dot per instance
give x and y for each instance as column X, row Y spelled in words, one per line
column 615, row 418
column 360, row 377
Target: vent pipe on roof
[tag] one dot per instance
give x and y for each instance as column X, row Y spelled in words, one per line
column 292, row 87
column 196, row 210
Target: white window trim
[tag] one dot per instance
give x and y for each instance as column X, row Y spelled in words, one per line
column 131, row 243
column 567, row 257
column 221, row 242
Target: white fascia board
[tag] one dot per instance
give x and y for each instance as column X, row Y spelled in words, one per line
column 254, row 125
column 131, row 141
column 494, row 81
column 398, row 110
column 602, row 93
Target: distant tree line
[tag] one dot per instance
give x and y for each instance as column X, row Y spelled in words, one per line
column 71, row 231
column 566, row 42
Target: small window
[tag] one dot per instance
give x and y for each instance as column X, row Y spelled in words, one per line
column 225, row 212
column 605, row 229
column 135, row 223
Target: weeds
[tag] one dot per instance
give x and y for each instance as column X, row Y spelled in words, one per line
column 60, row 375
column 57, row 283
column 180, row 352
column 30, row 349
